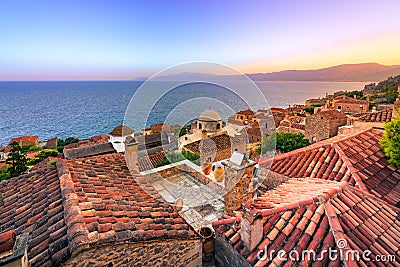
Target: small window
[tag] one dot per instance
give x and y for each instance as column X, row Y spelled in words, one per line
column 266, row 125
column 186, row 138
column 322, row 118
column 236, row 149
column 255, row 172
column 218, row 126
column 200, row 126
column 339, row 107
column 209, row 159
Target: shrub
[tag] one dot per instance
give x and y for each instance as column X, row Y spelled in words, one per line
column 391, row 142
column 176, row 156
column 42, row 155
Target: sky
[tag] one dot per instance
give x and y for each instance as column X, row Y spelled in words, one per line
column 119, row 40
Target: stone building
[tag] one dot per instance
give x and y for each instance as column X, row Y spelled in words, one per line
column 350, row 105
column 293, row 124
column 244, row 115
column 323, row 125
column 91, row 211
column 210, row 121
column 217, row 147
column 315, row 101
column 25, row 141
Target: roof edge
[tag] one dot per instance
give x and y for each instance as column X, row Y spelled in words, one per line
column 77, row 232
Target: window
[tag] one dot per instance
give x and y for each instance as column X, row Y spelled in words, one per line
column 218, row 126
column 200, row 126
column 266, row 125
column 186, row 138
column 339, row 107
column 209, row 159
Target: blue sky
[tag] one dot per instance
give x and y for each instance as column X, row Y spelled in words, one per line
column 64, row 40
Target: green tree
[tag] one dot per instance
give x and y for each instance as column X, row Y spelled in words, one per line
column 16, row 161
column 4, row 174
column 284, row 142
column 391, row 141
column 310, row 109
column 359, row 94
column 62, row 143
column 391, row 94
column 42, row 155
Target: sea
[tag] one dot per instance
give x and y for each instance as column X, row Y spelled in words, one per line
column 86, row 108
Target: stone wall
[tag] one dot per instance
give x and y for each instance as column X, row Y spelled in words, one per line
column 351, row 107
column 226, row 255
column 284, row 129
column 318, row 129
column 172, row 252
column 238, row 188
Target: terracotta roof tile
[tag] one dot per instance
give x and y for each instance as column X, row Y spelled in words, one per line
column 217, row 142
column 150, row 162
column 357, row 159
column 362, row 220
column 81, row 202
column 121, row 130
column 32, row 203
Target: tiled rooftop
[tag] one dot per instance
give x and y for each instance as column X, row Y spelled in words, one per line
column 379, row 116
column 85, row 202
column 150, row 162
column 357, row 159
column 311, row 214
column 33, row 203
column 213, row 144
column 30, row 138
column 350, row 100
column 246, row 112
column 121, row 130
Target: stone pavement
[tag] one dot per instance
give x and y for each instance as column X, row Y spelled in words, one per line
column 201, row 204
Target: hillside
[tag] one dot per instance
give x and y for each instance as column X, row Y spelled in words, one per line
column 346, row 72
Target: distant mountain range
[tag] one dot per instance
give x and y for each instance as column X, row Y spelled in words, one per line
column 363, row 72
column 347, row 72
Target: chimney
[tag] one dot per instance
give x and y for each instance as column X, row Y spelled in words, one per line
column 239, row 184
column 131, row 153
column 251, row 229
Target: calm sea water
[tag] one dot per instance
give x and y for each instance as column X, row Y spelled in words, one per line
column 86, row 108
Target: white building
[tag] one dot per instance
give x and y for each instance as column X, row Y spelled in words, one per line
column 118, row 136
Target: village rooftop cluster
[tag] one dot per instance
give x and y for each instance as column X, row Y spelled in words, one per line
column 118, row 199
